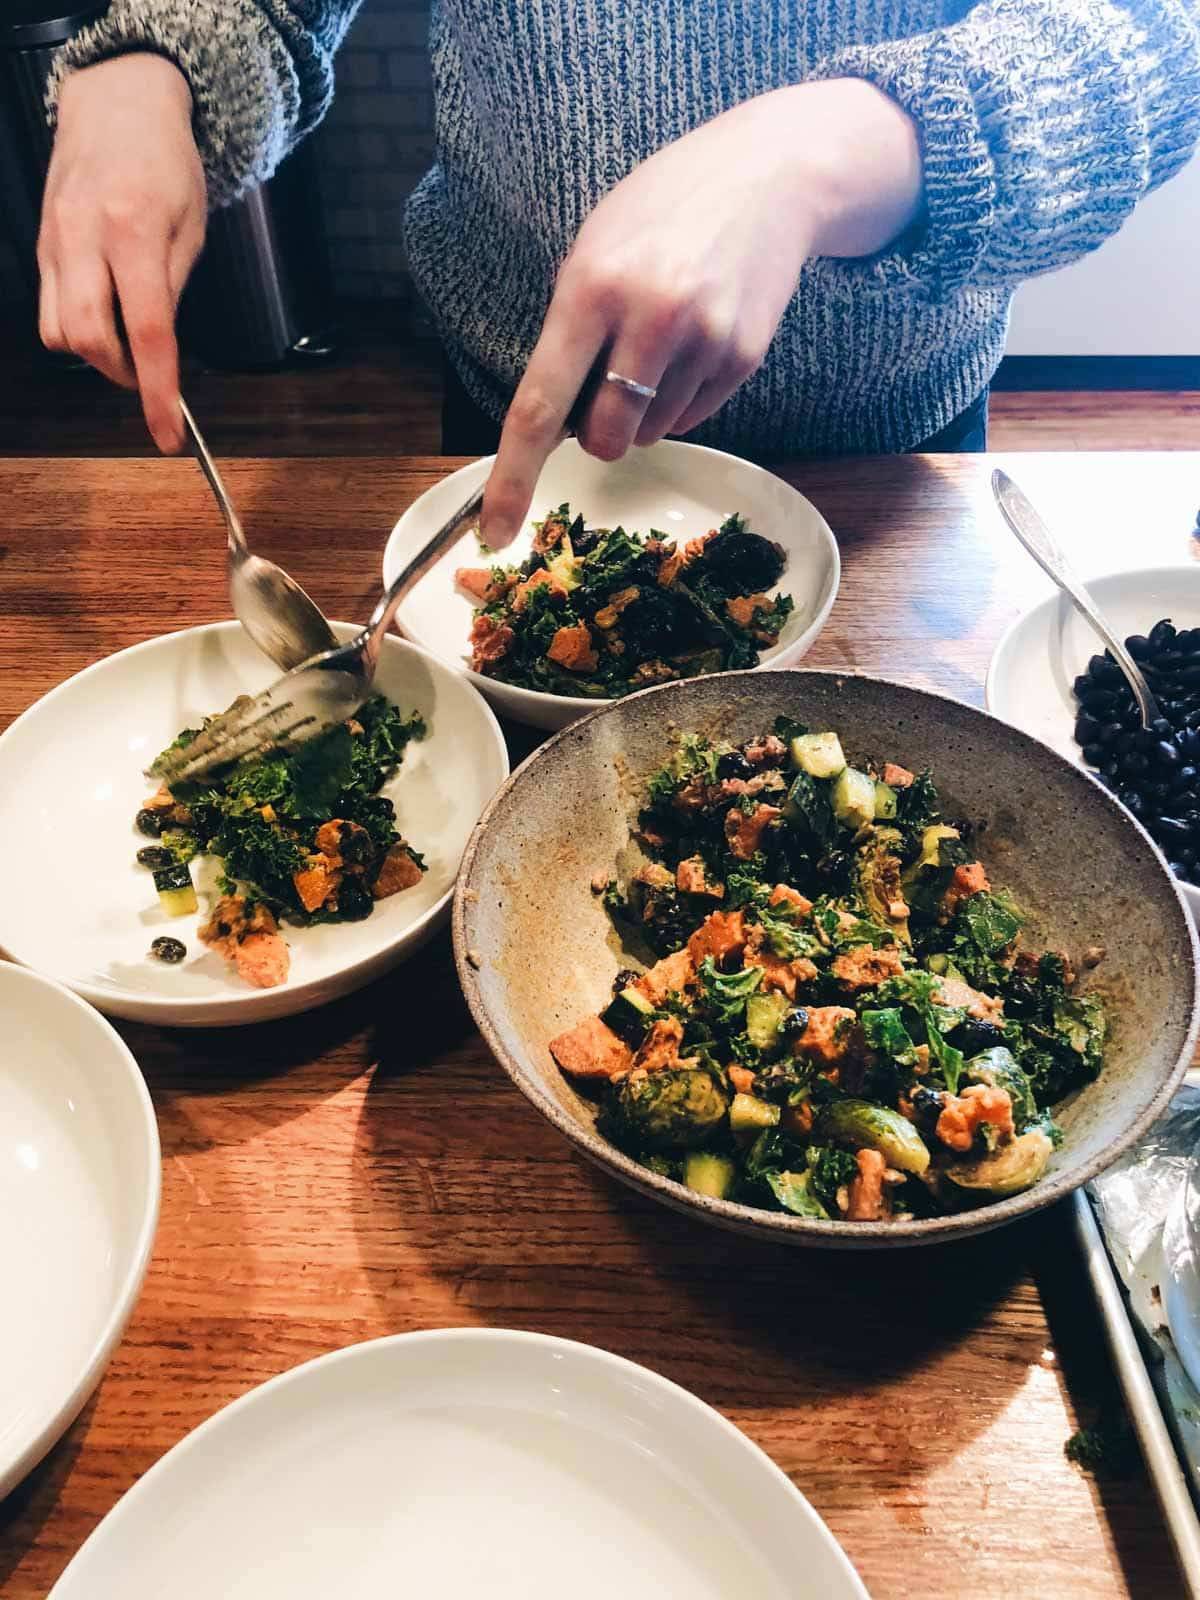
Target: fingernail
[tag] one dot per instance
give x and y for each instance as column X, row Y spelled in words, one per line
column 494, row 531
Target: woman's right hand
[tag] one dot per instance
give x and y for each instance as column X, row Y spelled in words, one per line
column 122, row 223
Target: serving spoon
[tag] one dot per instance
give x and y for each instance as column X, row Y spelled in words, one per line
column 274, row 610
column 319, row 693
column 1042, row 546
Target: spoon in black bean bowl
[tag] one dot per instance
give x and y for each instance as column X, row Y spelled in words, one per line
column 1039, row 541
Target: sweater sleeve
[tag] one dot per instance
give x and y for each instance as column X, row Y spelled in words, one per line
column 1042, row 124
column 260, row 72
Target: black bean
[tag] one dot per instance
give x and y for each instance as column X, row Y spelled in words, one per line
column 1086, row 728
column 1108, row 732
column 1098, row 702
column 1132, row 801
column 1185, row 777
column 150, row 823
column 1178, row 868
column 1188, row 640
column 1104, row 674
column 1168, row 660
column 1138, row 646
column 1162, row 635
column 155, row 856
column 1156, row 791
column 1112, row 767
column 1186, row 857
column 1166, row 753
column 1083, row 685
column 1189, row 676
column 1160, row 727
column 734, row 765
column 1093, row 754
column 1133, row 764
column 168, row 950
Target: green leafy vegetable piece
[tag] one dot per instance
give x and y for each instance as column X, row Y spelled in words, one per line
column 794, row 1192
column 787, row 729
column 991, row 923
column 885, row 1032
column 726, row 993
column 830, row 1170
column 943, row 1057
column 320, row 770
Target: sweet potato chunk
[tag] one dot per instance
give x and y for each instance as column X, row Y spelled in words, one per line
column 572, row 648
column 591, row 1050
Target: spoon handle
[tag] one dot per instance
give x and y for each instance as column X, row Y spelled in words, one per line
column 451, row 530
column 1041, row 545
column 237, row 539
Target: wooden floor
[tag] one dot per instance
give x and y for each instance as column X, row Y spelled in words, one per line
column 381, row 392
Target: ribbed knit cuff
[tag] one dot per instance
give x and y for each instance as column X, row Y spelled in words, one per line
column 245, row 92
column 942, row 251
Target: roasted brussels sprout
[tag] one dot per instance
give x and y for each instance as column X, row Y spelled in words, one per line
column 1012, row 1168
column 862, row 1125
column 671, row 1109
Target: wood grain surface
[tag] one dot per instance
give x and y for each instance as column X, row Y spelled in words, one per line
column 368, row 1169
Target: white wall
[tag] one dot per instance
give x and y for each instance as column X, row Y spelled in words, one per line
column 1138, row 295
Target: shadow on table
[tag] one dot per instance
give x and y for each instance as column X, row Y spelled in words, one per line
column 36, row 1499
column 524, row 1234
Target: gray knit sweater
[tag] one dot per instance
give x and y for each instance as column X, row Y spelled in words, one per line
column 1042, row 123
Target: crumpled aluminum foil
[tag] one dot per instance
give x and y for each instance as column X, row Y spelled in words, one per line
column 1131, row 1201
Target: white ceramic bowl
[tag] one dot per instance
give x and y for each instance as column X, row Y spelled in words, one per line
column 676, row 488
column 1043, row 652
column 79, row 1192
column 461, row 1463
column 76, row 905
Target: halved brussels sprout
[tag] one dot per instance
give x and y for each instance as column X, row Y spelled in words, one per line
column 863, row 1126
column 671, row 1109
column 1009, row 1170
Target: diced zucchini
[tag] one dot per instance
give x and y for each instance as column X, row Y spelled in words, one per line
column 764, row 1017
column 709, row 1174
column 819, row 754
column 1015, row 1167
column 885, row 802
column 749, row 1114
column 565, row 567
column 175, row 892
column 865, row 1126
column 854, row 798
column 629, row 1016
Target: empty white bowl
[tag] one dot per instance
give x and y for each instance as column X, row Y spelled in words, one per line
column 675, row 488
column 79, row 1193
column 464, row 1462
column 1043, row 652
column 77, row 906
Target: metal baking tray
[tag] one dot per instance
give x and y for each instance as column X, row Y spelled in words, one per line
column 1152, row 1421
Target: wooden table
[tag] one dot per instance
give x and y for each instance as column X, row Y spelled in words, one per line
column 320, row 1175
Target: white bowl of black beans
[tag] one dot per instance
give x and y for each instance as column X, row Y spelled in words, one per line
column 1051, row 676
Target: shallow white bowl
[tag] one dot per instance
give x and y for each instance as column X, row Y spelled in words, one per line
column 79, row 1192
column 77, row 906
column 676, row 488
column 1039, row 657
column 467, row 1462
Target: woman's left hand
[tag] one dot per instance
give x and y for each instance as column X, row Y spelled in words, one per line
column 680, row 275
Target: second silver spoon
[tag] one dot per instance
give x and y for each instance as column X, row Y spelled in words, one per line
column 1039, row 541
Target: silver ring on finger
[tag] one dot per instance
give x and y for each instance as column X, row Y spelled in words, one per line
column 644, row 391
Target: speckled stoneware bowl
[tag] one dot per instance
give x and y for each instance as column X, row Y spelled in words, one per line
column 536, row 952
